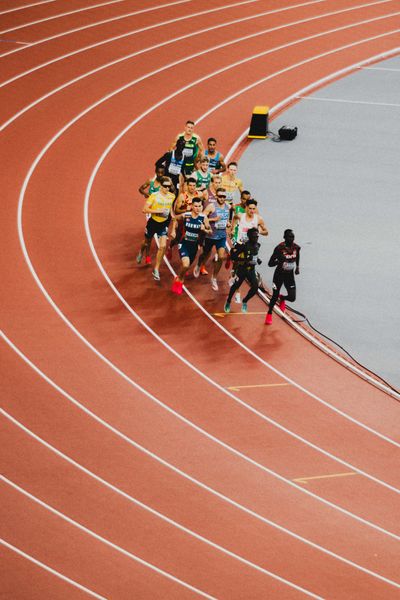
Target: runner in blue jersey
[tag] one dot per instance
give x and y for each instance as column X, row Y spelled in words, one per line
column 194, row 223
column 218, row 216
column 217, row 162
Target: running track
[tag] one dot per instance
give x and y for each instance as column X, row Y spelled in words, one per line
column 130, row 468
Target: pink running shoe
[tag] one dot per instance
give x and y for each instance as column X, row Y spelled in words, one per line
column 282, row 304
column 177, row 286
column 147, row 260
column 268, row 319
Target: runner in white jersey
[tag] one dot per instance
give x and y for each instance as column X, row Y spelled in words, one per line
column 248, row 220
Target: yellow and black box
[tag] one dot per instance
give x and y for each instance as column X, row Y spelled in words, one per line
column 259, row 123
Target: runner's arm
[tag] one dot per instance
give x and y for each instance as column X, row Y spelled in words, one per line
column 144, row 187
column 261, row 227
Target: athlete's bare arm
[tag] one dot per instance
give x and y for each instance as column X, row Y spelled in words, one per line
column 206, row 225
column 144, row 188
column 261, row 227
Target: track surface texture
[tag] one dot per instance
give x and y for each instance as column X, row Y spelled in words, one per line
column 153, row 447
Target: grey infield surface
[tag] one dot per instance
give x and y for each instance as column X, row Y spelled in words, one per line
column 337, row 185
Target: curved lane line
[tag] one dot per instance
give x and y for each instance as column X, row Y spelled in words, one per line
column 78, row 10
column 158, row 515
column 104, row 540
column 169, row 41
column 198, row 483
column 160, row 45
column 3, row 12
column 148, row 111
column 161, row 24
column 33, row 272
column 50, row 570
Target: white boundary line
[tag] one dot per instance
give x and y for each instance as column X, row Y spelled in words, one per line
column 324, row 347
column 153, row 511
column 112, row 63
column 219, row 442
column 106, row 359
column 105, row 540
column 168, row 41
column 343, row 101
column 33, row 166
column 129, row 33
column 3, row 12
column 133, row 123
column 380, row 69
column 85, row 9
column 176, row 470
column 50, row 570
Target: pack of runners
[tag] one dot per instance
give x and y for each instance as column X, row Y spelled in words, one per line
column 197, row 203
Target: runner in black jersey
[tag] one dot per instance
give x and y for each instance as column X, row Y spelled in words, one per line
column 286, row 259
column 246, row 257
column 194, row 222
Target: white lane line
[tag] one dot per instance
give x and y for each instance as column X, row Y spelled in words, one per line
column 342, row 101
column 232, row 150
column 164, row 518
column 84, row 9
column 161, row 24
column 34, row 274
column 165, row 43
column 195, row 482
column 173, row 40
column 3, row 12
column 104, row 540
column 380, row 69
column 50, row 570
column 240, row 92
column 219, row 442
column 14, row 42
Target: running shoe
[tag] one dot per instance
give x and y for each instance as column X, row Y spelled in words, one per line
column 214, row 284
column 203, row 270
column 231, row 281
column 238, row 298
column 156, row 274
column 177, row 286
column 268, row 319
column 244, row 307
column 227, row 307
column 139, row 258
column 147, row 260
column 282, row 304
column 196, row 271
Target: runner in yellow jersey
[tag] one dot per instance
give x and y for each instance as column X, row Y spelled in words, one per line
column 158, row 206
column 231, row 182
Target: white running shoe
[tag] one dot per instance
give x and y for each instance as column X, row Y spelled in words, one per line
column 231, row 281
column 196, row 271
column 214, row 284
column 237, row 298
column 156, row 275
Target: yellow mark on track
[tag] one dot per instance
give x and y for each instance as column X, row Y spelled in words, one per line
column 237, row 314
column 236, row 388
column 306, row 479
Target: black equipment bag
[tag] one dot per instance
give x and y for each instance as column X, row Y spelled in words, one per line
column 287, row 133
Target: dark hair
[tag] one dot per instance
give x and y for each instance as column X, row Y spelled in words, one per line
column 251, row 231
column 232, row 163
column 288, row 232
column 251, row 201
column 197, row 199
column 245, row 193
column 221, row 189
column 191, row 122
column 211, row 140
column 191, row 180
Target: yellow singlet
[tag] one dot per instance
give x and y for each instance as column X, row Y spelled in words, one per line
column 159, row 201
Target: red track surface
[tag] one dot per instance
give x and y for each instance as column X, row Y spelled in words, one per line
column 130, row 470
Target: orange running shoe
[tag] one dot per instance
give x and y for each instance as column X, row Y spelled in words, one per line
column 203, row 270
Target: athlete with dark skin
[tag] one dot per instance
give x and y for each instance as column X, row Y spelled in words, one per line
column 286, row 259
column 246, row 257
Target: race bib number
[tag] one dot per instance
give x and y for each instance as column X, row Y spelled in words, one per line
column 188, row 152
column 288, row 266
column 221, row 224
column 174, row 169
